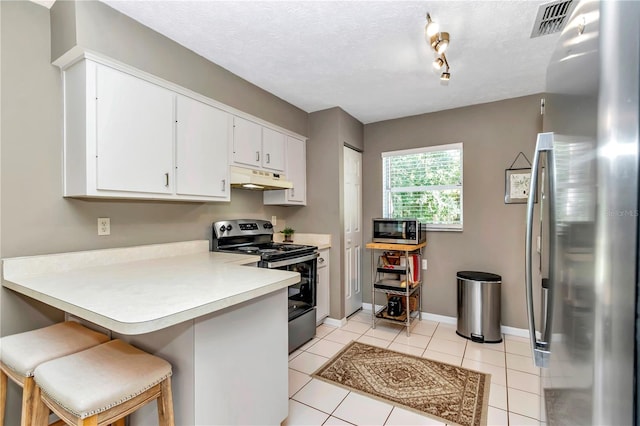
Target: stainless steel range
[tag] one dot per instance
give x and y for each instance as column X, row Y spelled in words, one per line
column 252, row 236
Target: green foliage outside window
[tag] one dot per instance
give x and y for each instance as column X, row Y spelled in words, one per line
column 425, row 184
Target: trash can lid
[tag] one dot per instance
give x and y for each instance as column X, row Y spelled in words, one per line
column 479, row 276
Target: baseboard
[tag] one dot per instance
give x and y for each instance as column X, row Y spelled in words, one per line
column 439, row 318
column 367, row 307
column 513, row 331
column 522, row 332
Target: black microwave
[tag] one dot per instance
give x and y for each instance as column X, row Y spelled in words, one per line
column 398, row 231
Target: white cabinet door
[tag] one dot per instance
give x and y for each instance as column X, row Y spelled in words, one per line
column 322, row 290
column 296, row 172
column 247, row 143
column 202, row 141
column 134, row 134
column 273, row 147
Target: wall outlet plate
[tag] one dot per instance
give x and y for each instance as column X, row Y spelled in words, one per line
column 104, row 226
column 424, row 264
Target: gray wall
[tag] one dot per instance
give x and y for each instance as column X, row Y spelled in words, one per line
column 329, row 131
column 493, row 236
column 351, row 131
column 323, row 195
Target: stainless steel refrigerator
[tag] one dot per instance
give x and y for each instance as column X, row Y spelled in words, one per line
column 582, row 234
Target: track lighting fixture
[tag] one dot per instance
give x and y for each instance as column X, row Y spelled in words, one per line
column 439, row 42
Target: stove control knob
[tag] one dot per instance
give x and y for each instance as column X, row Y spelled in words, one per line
column 229, row 227
column 222, row 228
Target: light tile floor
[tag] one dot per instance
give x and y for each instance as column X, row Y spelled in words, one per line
column 514, row 392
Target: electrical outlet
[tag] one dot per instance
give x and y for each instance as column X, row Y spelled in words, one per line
column 424, row 264
column 104, row 226
column 274, row 220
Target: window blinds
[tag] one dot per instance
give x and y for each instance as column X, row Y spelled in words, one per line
column 425, row 183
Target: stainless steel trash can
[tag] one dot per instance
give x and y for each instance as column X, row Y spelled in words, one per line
column 479, row 306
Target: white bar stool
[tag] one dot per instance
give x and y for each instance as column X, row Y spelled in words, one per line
column 21, row 353
column 103, row 385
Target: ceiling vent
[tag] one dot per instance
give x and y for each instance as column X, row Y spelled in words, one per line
column 551, row 17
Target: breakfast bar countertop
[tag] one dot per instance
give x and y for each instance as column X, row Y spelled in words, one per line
column 138, row 290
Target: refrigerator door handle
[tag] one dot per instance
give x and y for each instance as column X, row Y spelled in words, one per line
column 540, row 348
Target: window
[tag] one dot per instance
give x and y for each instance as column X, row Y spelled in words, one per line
column 425, row 183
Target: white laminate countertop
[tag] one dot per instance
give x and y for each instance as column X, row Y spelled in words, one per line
column 322, row 241
column 138, row 290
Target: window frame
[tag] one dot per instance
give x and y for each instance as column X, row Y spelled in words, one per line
column 422, row 150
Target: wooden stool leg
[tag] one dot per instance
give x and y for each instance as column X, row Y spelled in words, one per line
column 3, row 395
column 40, row 410
column 165, row 404
column 28, row 401
column 119, row 422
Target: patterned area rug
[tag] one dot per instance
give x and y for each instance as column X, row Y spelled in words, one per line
column 451, row 394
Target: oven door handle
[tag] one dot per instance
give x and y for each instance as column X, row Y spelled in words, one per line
column 292, row 261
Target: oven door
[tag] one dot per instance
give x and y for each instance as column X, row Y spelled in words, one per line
column 302, row 295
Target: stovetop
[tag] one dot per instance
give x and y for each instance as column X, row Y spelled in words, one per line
column 271, row 251
column 253, row 236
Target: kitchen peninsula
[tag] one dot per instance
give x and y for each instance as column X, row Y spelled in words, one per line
column 222, row 325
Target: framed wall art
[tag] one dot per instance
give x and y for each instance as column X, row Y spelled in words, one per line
column 517, row 183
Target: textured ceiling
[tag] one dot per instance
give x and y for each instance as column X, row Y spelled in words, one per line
column 368, row 57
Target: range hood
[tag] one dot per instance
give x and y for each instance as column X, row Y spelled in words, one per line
column 258, row 180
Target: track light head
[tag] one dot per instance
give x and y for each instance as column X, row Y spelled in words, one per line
column 438, row 63
column 431, row 28
column 440, row 42
column 445, row 76
column 443, row 43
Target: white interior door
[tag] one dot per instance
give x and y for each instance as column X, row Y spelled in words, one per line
column 352, row 230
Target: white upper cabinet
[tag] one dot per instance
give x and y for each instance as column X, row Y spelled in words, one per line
column 257, row 147
column 273, row 148
column 202, row 143
column 134, row 134
column 296, row 172
column 247, row 143
column 129, row 136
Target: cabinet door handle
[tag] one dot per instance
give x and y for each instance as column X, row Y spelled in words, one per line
column 321, row 260
column 268, row 158
column 293, row 192
column 166, row 180
column 257, row 155
column 224, row 185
